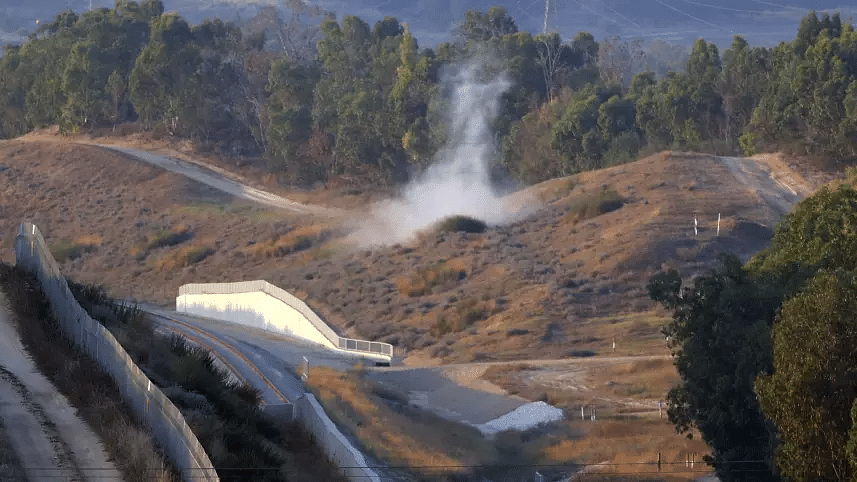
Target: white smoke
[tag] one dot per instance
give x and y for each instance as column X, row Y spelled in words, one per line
column 459, row 181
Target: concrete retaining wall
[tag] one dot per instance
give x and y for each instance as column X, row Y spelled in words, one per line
column 263, row 305
column 168, row 425
column 310, row 415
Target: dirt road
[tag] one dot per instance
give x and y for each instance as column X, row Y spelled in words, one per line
column 51, row 442
column 773, row 182
column 217, row 180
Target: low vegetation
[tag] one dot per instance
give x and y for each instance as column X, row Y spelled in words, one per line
column 389, row 428
column 242, row 442
column 79, row 378
column 310, row 237
column 69, row 250
column 463, row 224
column 167, row 237
column 589, row 205
column 183, row 257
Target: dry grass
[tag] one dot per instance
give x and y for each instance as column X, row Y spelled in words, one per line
column 591, row 204
column 73, row 249
column 81, row 380
column 388, row 428
column 437, row 276
column 299, row 239
column 183, row 257
column 628, row 446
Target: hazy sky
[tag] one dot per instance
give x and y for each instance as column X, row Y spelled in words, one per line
column 761, row 22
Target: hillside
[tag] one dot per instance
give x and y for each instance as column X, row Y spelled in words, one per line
column 564, row 279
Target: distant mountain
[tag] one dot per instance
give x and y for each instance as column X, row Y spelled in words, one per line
column 761, row 22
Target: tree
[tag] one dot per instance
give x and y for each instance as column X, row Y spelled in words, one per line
column 813, row 386
column 742, row 82
column 820, row 233
column 163, row 83
column 481, row 27
column 720, row 340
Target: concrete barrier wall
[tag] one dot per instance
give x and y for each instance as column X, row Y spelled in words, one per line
column 310, row 415
column 168, row 425
column 256, row 309
column 274, row 309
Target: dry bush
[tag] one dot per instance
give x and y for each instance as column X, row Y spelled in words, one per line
column 461, row 224
column 168, row 237
column 184, row 257
column 593, row 204
column 438, row 275
column 299, row 239
column 71, row 249
column 465, row 313
column 387, row 427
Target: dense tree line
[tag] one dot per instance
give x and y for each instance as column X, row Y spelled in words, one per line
column 767, row 351
column 366, row 102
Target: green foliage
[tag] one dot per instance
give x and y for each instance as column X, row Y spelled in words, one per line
column 814, row 382
column 720, row 340
column 818, row 234
column 371, row 106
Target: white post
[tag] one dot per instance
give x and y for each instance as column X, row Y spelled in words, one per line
column 718, row 224
column 695, row 224
column 305, row 374
column 614, row 344
column 582, row 416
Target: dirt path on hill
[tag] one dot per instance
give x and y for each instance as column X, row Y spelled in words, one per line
column 44, row 431
column 210, row 176
column 772, row 181
column 213, row 176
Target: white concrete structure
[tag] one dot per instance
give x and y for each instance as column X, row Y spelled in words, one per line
column 260, row 304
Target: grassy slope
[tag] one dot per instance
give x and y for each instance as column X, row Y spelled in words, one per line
column 566, row 278
column 566, row 281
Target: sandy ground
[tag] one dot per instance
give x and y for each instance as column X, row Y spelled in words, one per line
column 44, row 430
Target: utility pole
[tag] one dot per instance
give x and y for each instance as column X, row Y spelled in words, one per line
column 547, row 9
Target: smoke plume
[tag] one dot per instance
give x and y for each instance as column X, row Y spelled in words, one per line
column 458, row 182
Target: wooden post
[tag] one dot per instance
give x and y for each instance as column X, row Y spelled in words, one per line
column 659, row 461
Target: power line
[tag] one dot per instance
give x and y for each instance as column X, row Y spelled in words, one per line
column 687, row 14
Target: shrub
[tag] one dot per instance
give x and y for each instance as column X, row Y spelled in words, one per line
column 426, row 279
column 184, row 257
column 581, row 353
column 168, row 237
column 461, row 223
column 594, row 204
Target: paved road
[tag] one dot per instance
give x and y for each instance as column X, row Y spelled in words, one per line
column 49, row 439
column 266, row 360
